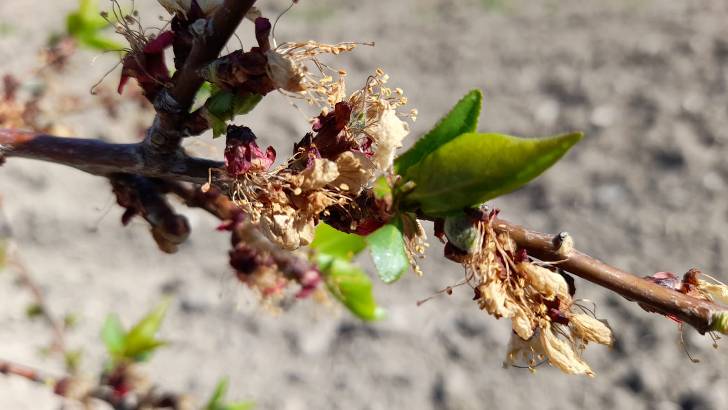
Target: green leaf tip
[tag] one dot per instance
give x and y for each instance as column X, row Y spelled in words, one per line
column 461, row 119
column 475, row 168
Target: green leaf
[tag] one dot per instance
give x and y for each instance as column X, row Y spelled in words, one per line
column 461, row 119
column 351, row 286
column 141, row 339
column 333, row 242
column 387, row 248
column 223, row 106
column 475, row 168
column 218, row 395
column 216, row 401
column 85, row 25
column 113, row 336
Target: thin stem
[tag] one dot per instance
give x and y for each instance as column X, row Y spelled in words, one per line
column 26, row 279
column 696, row 312
column 9, row 368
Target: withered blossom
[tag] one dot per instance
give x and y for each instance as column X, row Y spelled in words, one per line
column 144, row 59
column 537, row 300
column 349, row 147
column 295, row 68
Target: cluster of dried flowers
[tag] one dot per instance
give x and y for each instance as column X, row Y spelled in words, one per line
column 349, row 148
column 548, row 324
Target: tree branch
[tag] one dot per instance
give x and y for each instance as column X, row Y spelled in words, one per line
column 173, row 105
column 700, row 314
column 102, row 158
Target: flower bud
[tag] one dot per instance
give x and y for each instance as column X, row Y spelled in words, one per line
column 463, row 233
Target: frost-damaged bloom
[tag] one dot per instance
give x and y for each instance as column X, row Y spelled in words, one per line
column 349, row 147
column 285, row 202
column 265, row 267
column 537, row 299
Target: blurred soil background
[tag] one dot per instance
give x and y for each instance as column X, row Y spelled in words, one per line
column 647, row 80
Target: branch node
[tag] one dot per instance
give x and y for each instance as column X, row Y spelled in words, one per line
column 564, row 244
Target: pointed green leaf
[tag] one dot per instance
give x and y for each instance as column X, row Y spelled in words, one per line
column 113, row 336
column 350, row 286
column 461, row 119
column 218, row 395
column 141, row 339
column 475, row 168
column 217, row 400
column 333, row 242
column 387, row 247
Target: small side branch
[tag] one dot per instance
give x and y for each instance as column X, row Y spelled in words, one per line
column 698, row 313
column 173, row 105
column 102, row 158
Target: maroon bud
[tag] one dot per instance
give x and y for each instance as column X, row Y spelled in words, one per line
column 242, row 154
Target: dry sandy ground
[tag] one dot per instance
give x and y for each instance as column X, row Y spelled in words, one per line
column 646, row 80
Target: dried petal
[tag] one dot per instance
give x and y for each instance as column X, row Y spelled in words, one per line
column 356, row 171
column 388, row 134
column 521, row 322
column 321, row 173
column 549, row 284
column 562, row 355
column 285, row 73
column 590, row 329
